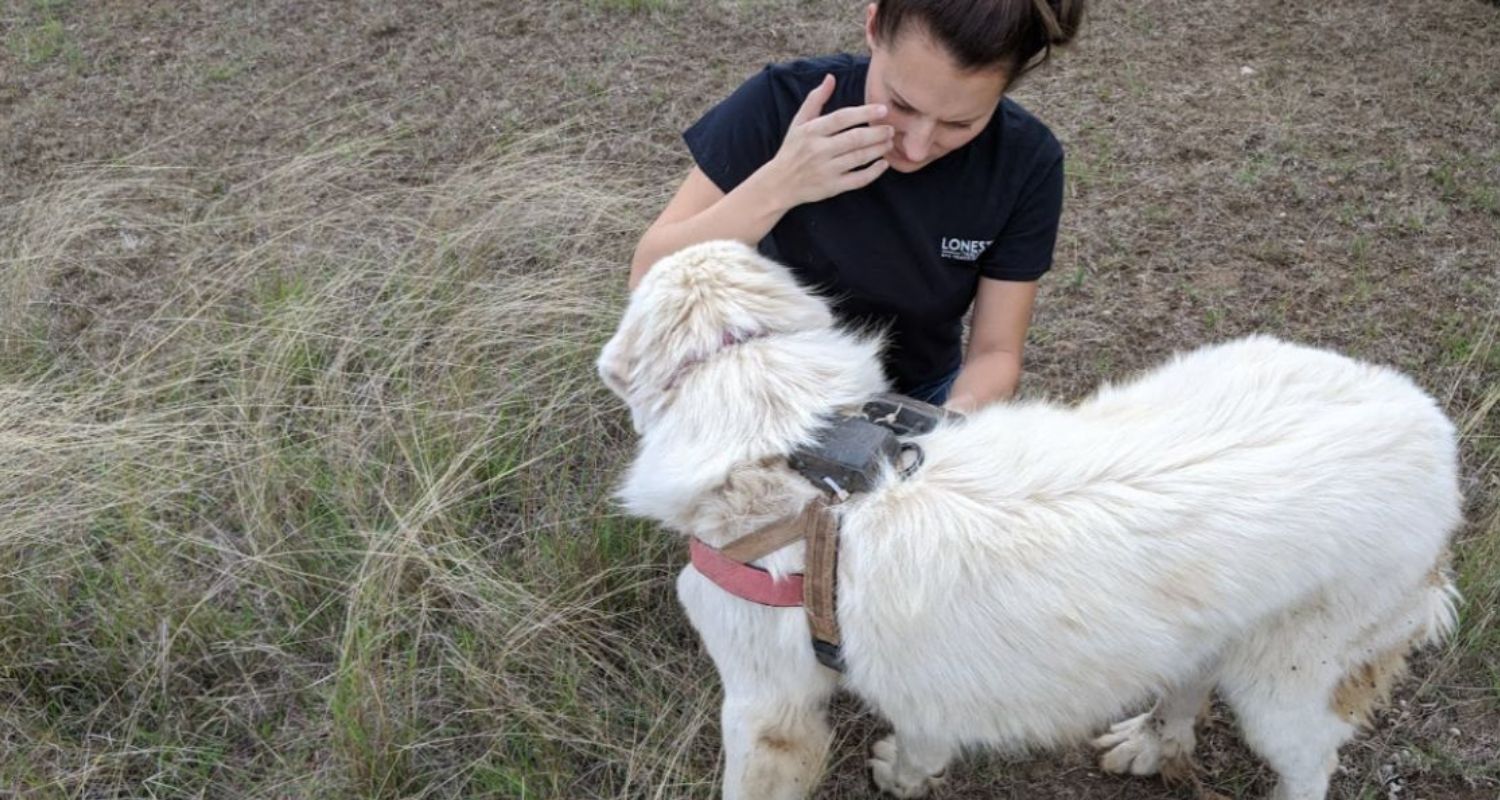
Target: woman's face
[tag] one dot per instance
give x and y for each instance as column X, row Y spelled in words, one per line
column 935, row 106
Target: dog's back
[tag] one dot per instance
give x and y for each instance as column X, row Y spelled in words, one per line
column 1166, row 524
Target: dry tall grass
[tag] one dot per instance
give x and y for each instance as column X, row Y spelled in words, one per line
column 301, row 489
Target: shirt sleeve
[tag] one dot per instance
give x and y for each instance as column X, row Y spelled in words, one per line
column 740, row 134
column 1023, row 250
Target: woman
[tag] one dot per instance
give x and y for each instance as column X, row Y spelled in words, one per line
column 904, row 185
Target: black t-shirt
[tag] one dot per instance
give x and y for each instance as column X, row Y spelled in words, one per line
column 905, row 253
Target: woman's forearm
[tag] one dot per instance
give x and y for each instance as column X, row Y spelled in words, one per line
column 984, row 379
column 747, row 213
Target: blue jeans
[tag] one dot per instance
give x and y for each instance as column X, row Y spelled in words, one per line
column 934, row 391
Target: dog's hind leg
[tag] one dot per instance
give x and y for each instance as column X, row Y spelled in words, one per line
column 1162, row 739
column 905, row 764
column 1287, row 720
column 1303, row 685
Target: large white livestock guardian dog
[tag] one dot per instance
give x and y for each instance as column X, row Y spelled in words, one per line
column 1257, row 518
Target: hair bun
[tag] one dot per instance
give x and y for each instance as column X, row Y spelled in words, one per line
column 1059, row 19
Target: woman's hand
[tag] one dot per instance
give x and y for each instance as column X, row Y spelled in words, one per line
column 828, row 154
column 820, row 157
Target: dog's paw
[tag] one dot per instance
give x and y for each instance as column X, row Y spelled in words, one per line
column 1138, row 746
column 883, row 770
column 1132, row 747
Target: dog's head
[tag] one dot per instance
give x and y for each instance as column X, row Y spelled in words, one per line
column 728, row 366
column 687, row 307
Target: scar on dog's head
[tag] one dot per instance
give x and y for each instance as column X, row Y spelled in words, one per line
column 686, row 305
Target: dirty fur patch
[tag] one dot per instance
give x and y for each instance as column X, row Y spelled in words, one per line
column 1368, row 686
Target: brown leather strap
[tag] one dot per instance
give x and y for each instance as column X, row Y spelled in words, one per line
column 818, row 582
column 819, row 573
column 773, row 537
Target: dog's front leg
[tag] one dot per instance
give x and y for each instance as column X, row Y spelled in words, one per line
column 775, row 726
column 772, row 749
column 906, row 764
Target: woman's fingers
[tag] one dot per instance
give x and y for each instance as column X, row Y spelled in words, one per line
column 858, row 139
column 862, row 177
column 812, row 105
column 861, row 156
column 827, row 154
column 844, row 118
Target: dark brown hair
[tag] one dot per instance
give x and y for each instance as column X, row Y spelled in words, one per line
column 1015, row 35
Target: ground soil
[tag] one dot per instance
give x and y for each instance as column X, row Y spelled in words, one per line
column 1329, row 172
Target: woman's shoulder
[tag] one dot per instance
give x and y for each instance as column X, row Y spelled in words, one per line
column 1025, row 128
column 778, row 89
column 804, row 74
column 818, row 66
column 1023, row 131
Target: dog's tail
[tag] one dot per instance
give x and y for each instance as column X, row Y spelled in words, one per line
column 1439, row 601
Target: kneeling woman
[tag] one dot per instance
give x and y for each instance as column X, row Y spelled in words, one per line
column 904, row 185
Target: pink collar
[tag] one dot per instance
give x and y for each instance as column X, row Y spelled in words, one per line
column 742, row 580
column 727, row 340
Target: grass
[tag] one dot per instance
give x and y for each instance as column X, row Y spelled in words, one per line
column 318, row 511
column 1463, row 181
column 224, row 71
column 40, row 36
column 633, row 6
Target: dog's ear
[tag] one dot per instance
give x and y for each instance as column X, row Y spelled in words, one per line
column 616, row 362
column 618, row 366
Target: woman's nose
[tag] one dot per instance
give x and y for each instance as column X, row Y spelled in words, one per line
column 916, row 142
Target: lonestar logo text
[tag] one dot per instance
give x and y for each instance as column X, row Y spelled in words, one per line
column 964, row 249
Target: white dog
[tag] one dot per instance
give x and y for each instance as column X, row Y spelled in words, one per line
column 1257, row 518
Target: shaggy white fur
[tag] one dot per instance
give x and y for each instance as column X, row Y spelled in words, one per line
column 1257, row 518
